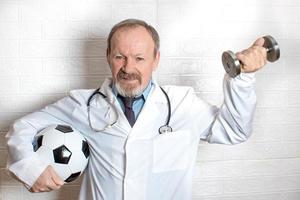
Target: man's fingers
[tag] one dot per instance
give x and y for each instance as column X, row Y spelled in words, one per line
column 40, row 189
column 55, row 182
column 55, row 178
column 259, row 42
column 47, row 187
column 243, row 59
column 47, row 181
column 53, row 186
column 252, row 59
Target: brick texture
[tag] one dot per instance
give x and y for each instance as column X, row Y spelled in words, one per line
column 51, row 47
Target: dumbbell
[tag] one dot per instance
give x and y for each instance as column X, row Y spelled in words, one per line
column 232, row 65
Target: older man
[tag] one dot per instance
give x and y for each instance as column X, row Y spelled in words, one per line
column 143, row 138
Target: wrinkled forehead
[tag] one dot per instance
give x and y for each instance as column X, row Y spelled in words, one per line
column 136, row 36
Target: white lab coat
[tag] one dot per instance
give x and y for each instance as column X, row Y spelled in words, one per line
column 138, row 163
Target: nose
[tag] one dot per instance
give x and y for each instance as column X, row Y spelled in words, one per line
column 129, row 65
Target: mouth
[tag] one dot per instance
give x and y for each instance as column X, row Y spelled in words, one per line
column 128, row 80
column 128, row 77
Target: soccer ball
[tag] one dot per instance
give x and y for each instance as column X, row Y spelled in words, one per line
column 64, row 148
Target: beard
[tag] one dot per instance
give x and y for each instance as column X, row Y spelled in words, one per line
column 129, row 89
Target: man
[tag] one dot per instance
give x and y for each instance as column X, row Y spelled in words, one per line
column 130, row 158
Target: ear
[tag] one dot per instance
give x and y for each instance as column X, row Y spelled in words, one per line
column 156, row 61
column 107, row 56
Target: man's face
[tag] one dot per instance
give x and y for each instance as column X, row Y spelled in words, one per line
column 132, row 60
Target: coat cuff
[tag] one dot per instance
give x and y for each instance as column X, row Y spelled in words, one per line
column 28, row 170
column 243, row 79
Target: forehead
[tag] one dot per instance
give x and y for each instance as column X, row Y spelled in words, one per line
column 132, row 37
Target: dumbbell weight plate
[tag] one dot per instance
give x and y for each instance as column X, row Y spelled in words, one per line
column 273, row 52
column 231, row 63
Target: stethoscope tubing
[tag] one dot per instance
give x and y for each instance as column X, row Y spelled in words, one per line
column 97, row 91
column 163, row 129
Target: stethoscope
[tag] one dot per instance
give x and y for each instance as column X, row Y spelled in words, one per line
column 163, row 129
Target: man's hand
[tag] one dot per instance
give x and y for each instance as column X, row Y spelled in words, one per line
column 47, row 181
column 253, row 58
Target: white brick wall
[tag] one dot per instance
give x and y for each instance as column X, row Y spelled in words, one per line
column 51, row 47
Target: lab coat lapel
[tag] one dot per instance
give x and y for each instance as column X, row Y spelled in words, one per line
column 121, row 122
column 105, row 111
column 153, row 115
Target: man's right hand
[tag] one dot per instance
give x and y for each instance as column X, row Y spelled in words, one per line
column 47, row 181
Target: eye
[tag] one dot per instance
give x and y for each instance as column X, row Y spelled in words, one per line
column 119, row 57
column 139, row 59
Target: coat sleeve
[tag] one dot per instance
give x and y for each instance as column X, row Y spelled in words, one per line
column 23, row 162
column 232, row 122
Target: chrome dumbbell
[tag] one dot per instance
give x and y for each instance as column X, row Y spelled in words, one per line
column 232, row 65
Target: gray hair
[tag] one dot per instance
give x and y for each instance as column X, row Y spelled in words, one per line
column 132, row 23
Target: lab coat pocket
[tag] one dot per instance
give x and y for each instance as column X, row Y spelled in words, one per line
column 171, row 151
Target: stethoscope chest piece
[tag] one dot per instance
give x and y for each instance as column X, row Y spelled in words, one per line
column 165, row 129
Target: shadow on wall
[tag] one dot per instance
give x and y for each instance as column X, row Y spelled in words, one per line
column 86, row 68
column 94, row 62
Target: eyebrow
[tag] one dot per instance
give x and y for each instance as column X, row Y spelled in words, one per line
column 139, row 54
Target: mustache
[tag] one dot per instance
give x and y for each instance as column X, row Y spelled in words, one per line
column 128, row 76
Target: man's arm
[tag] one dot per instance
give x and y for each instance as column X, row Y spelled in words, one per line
column 232, row 122
column 23, row 162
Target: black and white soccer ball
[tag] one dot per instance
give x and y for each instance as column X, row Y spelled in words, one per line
column 64, row 148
